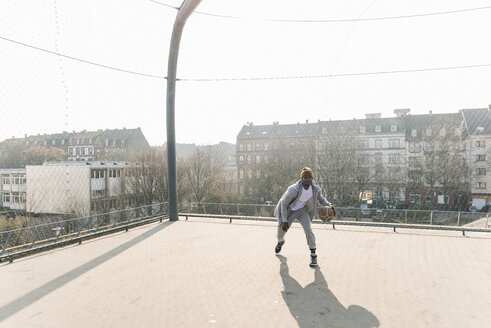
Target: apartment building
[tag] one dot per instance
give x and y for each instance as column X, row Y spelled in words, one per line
column 477, row 125
column 115, row 144
column 366, row 156
column 76, row 187
column 13, row 189
column 258, row 144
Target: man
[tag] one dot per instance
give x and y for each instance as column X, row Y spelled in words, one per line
column 300, row 202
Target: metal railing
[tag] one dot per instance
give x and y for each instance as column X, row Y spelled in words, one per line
column 38, row 234
column 352, row 214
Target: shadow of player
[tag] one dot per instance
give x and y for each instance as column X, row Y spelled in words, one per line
column 316, row 306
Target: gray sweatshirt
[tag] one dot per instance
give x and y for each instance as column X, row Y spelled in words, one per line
column 292, row 194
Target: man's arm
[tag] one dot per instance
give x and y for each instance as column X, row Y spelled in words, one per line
column 285, row 200
column 323, row 200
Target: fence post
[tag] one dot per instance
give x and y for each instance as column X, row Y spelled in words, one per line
column 220, row 205
column 6, row 242
column 405, row 219
column 458, row 219
column 431, row 217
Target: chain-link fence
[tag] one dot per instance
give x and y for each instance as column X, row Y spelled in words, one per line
column 82, row 131
column 21, row 235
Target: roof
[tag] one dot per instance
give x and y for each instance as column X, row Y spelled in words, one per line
column 276, row 130
column 477, row 121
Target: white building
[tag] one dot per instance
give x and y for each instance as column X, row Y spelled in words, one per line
column 13, row 188
column 74, row 187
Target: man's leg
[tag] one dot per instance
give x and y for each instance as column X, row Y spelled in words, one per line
column 304, row 219
column 281, row 234
column 309, row 235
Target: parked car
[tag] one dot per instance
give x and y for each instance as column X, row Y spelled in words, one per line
column 486, row 208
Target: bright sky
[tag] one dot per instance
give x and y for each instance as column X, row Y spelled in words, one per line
column 41, row 92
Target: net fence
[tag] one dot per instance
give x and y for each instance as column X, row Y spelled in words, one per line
column 71, row 161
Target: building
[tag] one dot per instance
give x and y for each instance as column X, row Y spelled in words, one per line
column 438, row 173
column 261, row 148
column 477, row 124
column 362, row 159
column 76, row 187
column 115, row 144
column 13, row 189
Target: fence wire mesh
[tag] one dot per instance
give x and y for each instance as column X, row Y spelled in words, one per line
column 73, row 157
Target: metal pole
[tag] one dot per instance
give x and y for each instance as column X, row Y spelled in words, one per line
column 184, row 12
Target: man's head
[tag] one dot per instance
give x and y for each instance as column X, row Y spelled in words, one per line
column 307, row 175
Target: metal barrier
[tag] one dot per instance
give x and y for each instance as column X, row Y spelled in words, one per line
column 394, row 226
column 41, row 236
column 399, row 216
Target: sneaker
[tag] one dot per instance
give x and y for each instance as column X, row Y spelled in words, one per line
column 313, row 260
column 277, row 249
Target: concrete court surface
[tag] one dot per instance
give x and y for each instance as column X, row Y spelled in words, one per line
column 210, row 273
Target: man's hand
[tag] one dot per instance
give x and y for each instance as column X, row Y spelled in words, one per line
column 285, row 226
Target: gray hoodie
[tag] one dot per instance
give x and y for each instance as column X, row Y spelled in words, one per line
column 292, row 194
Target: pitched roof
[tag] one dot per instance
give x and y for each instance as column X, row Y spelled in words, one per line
column 477, row 121
column 276, row 130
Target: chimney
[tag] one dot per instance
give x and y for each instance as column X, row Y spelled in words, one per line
column 431, row 112
column 402, row 112
column 373, row 115
column 306, row 121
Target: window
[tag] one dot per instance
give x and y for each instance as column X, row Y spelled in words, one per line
column 393, row 127
column 324, row 130
column 241, row 147
column 62, row 141
column 378, row 128
column 480, row 157
column 241, row 173
column 249, row 174
column 6, row 179
column 90, row 141
column 292, row 145
column 378, row 158
column 480, row 171
column 480, row 143
column 363, row 129
column 27, row 143
column 394, row 158
column 265, row 146
column 378, row 143
column 365, row 144
column 115, row 173
column 428, row 132
column 241, row 159
column 442, row 199
column 258, row 159
column 249, row 159
column 414, row 133
column 45, row 142
column 415, row 199
column 249, row 147
column 258, row 174
column 258, row 146
column 53, row 142
column 98, row 193
column 480, row 185
column 98, row 174
column 393, row 143
column 6, row 197
column 78, row 141
column 429, row 200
